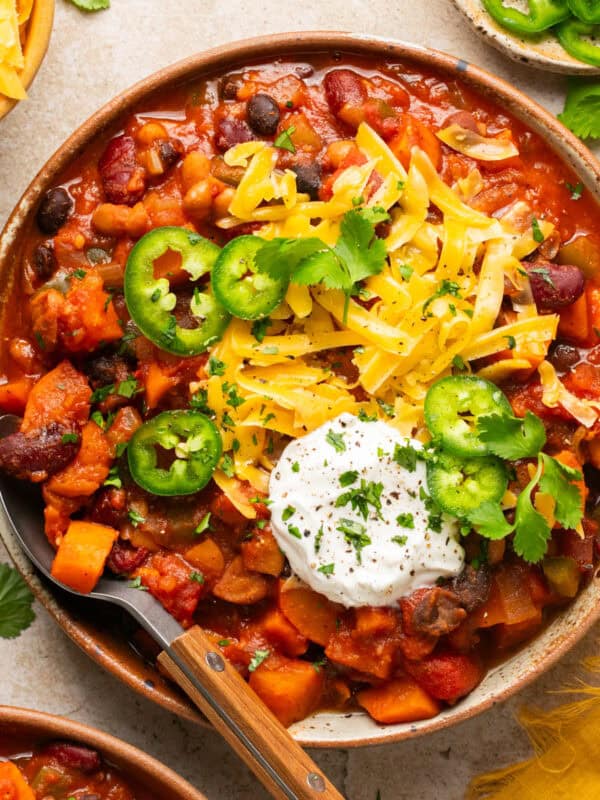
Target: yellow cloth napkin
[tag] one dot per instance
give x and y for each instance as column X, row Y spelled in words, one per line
column 566, row 741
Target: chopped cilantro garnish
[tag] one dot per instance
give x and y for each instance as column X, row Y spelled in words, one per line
column 368, row 494
column 387, row 408
column 136, row 583
column 113, row 478
column 538, row 235
column 364, row 417
column 349, row 477
column 355, row 533
column 401, row 540
column 459, row 364
column 98, row 395
column 576, row 191
column 224, row 642
column 295, row 467
column 405, row 271
column 446, row 287
column 259, row 328
column 405, row 520
column 203, row 525
column 197, row 577
column 294, row 531
column 216, row 367
column 257, row 659
column 512, row 342
column 135, row 517
column 79, row 274
column 69, row 438
column 336, row 440
column 406, row 456
column 227, row 465
column 128, row 388
column 284, row 140
column 287, row 513
column 327, row 569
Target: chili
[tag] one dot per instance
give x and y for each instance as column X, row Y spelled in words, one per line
column 543, row 14
column 459, row 485
column 587, row 11
column 150, row 300
column 190, row 437
column 452, row 407
column 574, row 35
column 240, row 287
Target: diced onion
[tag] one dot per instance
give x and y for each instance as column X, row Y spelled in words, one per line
column 473, row 144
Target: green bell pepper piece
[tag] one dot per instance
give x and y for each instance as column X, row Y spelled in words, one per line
column 193, row 445
column 543, row 14
column 150, row 300
column 573, row 34
column 586, row 10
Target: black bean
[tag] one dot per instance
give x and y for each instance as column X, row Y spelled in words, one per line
column 308, row 179
column 554, row 286
column 564, row 357
column 44, row 261
column 54, row 210
column 263, row 114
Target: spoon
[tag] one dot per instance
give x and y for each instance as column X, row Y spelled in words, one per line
column 189, row 657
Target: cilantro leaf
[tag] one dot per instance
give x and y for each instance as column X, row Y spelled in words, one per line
column 285, row 255
column 323, row 267
column 336, row 440
column 91, row 5
column 555, row 481
column 257, row 659
column 359, row 249
column 489, row 521
column 16, row 613
column 582, row 109
column 531, row 529
column 284, row 140
column 511, row 437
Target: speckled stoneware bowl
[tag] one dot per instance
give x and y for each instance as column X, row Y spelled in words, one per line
column 145, row 772
column 39, row 28
column 86, row 622
column 543, row 51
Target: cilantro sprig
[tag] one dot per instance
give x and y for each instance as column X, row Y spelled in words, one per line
column 16, row 613
column 512, row 438
column 582, row 109
column 357, row 254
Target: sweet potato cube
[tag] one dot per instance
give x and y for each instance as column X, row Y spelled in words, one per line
column 277, row 629
column 291, row 688
column 311, row 613
column 80, row 559
column 13, row 785
column 207, row 557
column 399, row 700
column 261, row 553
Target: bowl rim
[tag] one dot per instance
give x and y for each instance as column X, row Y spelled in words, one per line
column 36, row 45
column 519, row 49
column 151, row 773
column 214, row 61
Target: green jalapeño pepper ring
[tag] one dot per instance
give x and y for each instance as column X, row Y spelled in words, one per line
column 239, row 287
column 190, row 438
column 586, row 10
column 460, row 485
column 452, row 406
column 150, row 300
column 543, row 14
column 576, row 37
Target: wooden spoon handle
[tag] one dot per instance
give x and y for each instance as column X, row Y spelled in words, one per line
column 244, row 721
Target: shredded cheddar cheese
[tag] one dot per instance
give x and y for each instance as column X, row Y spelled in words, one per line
column 438, row 299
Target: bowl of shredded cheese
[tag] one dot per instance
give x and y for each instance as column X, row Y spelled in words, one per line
column 25, row 27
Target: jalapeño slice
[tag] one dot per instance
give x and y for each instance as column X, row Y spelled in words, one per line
column 192, row 445
column 150, row 300
column 459, row 485
column 452, row 406
column 240, row 287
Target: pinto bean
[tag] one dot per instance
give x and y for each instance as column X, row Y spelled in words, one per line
column 229, row 86
column 223, row 172
column 122, row 177
column 308, row 179
column 44, row 261
column 36, row 457
column 437, row 613
column 107, row 369
column 343, row 86
column 554, row 286
column 263, row 114
column 230, row 131
column 54, row 210
column 74, row 756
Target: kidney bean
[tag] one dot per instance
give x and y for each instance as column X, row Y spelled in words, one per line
column 36, row 457
column 554, row 286
column 44, row 261
column 463, row 118
column 107, row 369
column 170, row 151
column 54, row 210
column 74, row 756
column 230, row 131
column 263, row 114
column 122, row 177
column 304, row 70
column 343, row 86
column 564, row 356
column 109, row 507
column 124, row 558
column 308, row 179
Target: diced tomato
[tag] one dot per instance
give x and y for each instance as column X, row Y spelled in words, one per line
column 168, row 576
column 447, row 675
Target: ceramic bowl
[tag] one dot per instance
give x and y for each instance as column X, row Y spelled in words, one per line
column 545, row 51
column 36, row 43
column 159, row 781
column 86, row 622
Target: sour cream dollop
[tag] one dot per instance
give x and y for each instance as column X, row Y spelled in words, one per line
column 399, row 547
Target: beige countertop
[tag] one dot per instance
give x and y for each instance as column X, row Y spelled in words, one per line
column 91, row 58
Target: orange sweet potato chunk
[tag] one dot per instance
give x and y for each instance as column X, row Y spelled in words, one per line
column 399, row 700
column 261, row 553
column 311, row 613
column 13, row 785
column 82, row 553
column 207, row 557
column 61, row 395
column 238, row 585
column 89, row 469
column 291, row 688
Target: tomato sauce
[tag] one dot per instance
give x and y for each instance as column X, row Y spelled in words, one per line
column 163, row 167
